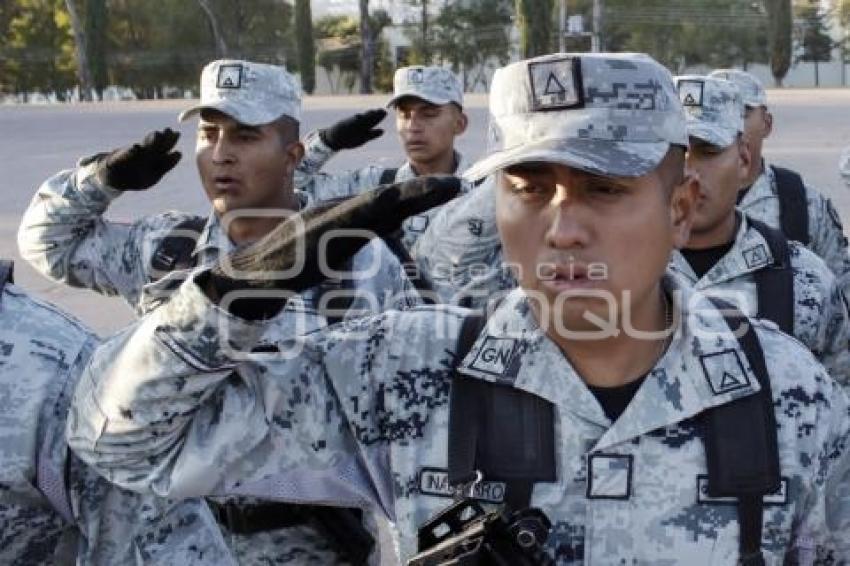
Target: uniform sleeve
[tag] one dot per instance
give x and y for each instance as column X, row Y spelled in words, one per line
column 822, row 537
column 176, row 405
column 316, row 155
column 324, row 186
column 827, row 237
column 65, row 237
column 461, row 250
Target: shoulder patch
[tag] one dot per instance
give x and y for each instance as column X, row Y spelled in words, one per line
column 756, row 256
column 417, row 223
column 724, row 371
column 495, row 356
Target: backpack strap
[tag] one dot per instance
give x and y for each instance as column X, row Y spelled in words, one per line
column 388, row 176
column 504, row 433
column 7, row 269
column 775, row 283
column 742, row 454
column 793, row 208
column 175, row 249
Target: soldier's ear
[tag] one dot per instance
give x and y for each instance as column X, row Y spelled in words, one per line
column 768, row 123
column 683, row 199
column 745, row 157
column 461, row 123
column 294, row 153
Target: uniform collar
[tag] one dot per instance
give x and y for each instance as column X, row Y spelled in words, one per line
column 213, row 242
column 764, row 187
column 406, row 171
column 703, row 367
column 750, row 252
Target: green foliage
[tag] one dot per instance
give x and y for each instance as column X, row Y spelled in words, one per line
column 339, row 50
column 779, row 37
column 717, row 33
column 535, row 19
column 156, row 48
column 37, row 49
column 305, row 45
column 95, row 30
column 813, row 36
column 468, row 35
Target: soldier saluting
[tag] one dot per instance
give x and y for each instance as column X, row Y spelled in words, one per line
column 706, row 445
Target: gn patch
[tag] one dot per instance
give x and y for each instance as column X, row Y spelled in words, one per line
column 435, row 481
column 756, row 256
column 724, row 371
column 556, row 84
column 690, row 92
column 229, row 76
column 495, row 355
column 609, row 476
column 778, row 497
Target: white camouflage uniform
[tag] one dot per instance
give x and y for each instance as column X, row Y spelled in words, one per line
column 627, row 492
column 714, row 112
column 761, row 200
column 432, row 84
column 381, row 437
column 65, row 236
column 54, row 509
column 821, row 322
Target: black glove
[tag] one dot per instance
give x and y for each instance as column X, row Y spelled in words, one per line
column 353, row 131
column 141, row 165
column 380, row 211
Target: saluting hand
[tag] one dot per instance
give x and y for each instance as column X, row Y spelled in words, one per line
column 353, row 131
column 302, row 239
column 141, row 165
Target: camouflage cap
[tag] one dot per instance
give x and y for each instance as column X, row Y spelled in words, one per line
column 751, row 88
column 714, row 109
column 432, row 84
column 613, row 114
column 250, row 93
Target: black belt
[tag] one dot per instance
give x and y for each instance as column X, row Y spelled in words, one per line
column 255, row 518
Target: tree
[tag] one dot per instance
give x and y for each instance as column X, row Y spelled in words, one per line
column 305, row 45
column 215, row 28
column 679, row 33
column 420, row 52
column 38, row 49
column 470, row 35
column 779, row 37
column 83, row 69
column 95, row 31
column 367, row 49
column 338, row 38
column 816, row 45
column 534, row 19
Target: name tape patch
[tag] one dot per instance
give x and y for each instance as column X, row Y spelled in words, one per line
column 724, row 371
column 495, row 355
column 690, row 92
column 435, row 481
column 779, row 497
column 556, row 84
column 229, row 76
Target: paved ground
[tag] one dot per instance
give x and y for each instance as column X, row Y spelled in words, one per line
column 811, row 127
